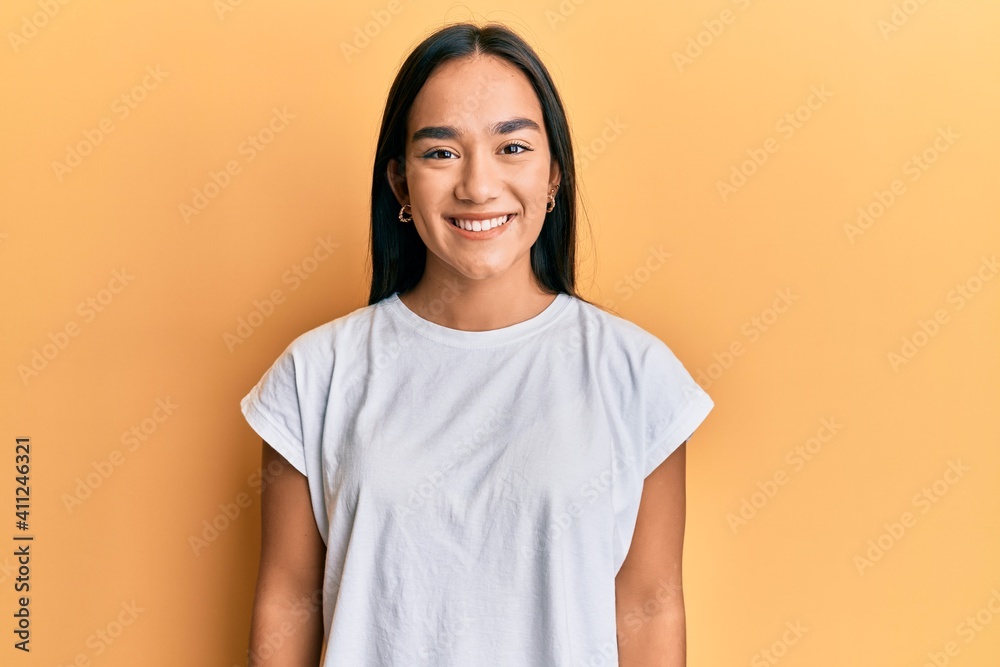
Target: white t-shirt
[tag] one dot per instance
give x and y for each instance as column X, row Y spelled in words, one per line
column 477, row 490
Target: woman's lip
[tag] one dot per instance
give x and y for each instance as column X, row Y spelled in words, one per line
column 481, row 217
column 480, row 235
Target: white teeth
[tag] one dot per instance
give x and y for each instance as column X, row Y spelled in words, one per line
column 480, row 225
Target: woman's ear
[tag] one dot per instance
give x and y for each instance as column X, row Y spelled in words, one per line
column 555, row 174
column 395, row 173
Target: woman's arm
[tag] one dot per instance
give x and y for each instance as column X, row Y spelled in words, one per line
column 648, row 589
column 286, row 628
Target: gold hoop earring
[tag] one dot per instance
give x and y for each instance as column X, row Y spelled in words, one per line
column 552, row 201
column 405, row 211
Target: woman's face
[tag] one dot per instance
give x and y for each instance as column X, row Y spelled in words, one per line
column 476, row 148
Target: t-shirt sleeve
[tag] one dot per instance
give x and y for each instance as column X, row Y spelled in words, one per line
column 273, row 410
column 674, row 405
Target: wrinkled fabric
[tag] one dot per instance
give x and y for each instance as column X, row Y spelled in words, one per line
column 477, row 491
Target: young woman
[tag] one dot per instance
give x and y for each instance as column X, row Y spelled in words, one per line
column 480, row 467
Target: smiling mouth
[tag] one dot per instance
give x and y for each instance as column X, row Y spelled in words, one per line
column 482, row 225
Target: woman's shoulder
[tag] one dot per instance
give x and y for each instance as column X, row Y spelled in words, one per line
column 615, row 328
column 337, row 332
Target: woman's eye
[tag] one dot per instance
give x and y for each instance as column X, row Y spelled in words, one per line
column 521, row 146
column 509, row 149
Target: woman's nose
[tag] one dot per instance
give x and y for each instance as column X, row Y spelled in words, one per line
column 479, row 180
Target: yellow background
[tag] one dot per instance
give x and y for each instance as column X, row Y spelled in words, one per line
column 661, row 133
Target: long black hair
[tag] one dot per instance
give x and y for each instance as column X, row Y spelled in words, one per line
column 398, row 254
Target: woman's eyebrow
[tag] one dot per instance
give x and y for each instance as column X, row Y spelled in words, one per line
column 450, row 132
